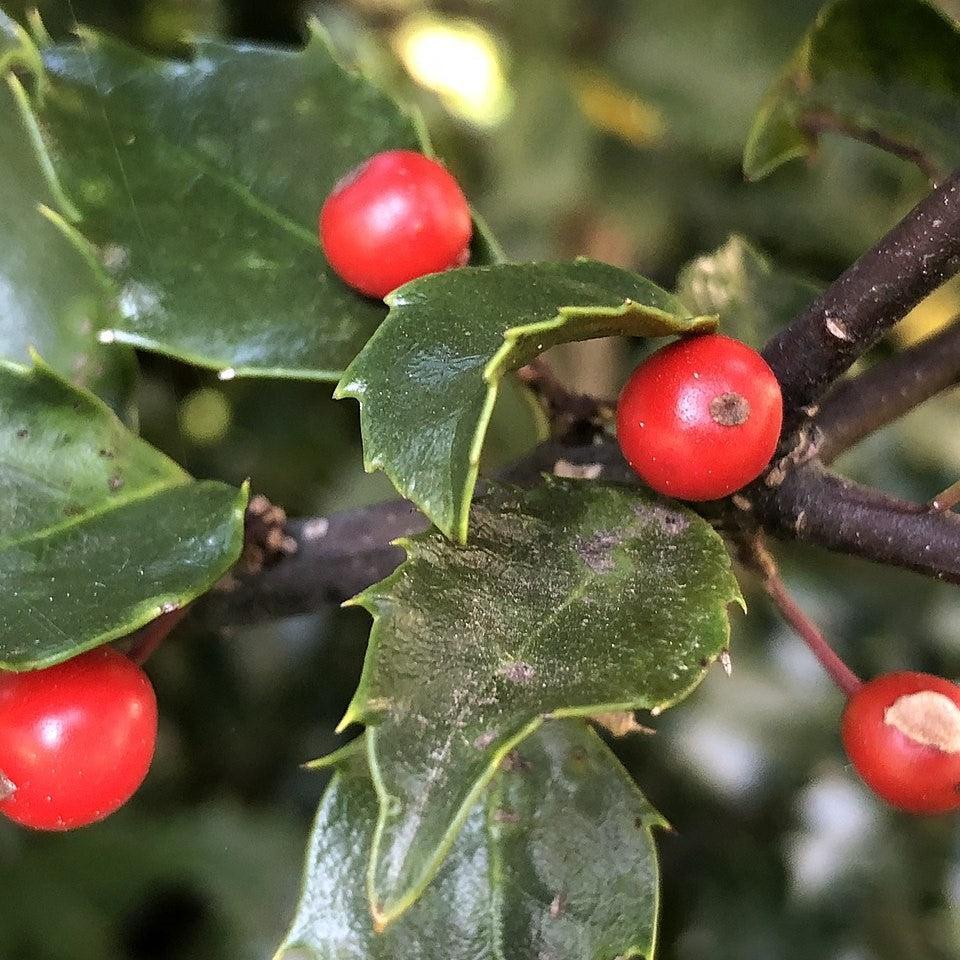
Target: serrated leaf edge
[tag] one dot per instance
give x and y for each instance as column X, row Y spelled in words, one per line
column 373, row 600
column 141, row 614
column 502, row 362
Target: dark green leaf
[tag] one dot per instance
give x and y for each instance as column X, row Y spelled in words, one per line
column 570, row 599
column 201, row 183
column 427, row 381
column 99, row 532
column 742, row 286
column 556, row 860
column 886, row 73
column 16, row 47
column 54, row 297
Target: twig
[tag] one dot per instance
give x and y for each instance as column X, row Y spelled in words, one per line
column 565, row 408
column 819, row 507
column 861, row 405
column 816, row 122
column 912, row 260
column 340, row 555
column 808, row 631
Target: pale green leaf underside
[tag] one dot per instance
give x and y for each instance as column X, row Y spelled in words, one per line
column 98, row 531
column 555, row 860
column 428, row 378
column 879, row 71
column 569, row 599
column 52, row 298
column 200, row 184
column 739, row 283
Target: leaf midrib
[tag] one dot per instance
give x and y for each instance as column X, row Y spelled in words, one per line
column 119, row 503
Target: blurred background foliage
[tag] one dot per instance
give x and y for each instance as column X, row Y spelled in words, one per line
column 611, row 129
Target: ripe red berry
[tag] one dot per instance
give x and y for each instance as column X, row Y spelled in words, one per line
column 76, row 740
column 901, row 732
column 700, row 418
column 396, row 217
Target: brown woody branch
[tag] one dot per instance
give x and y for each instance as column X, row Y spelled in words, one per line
column 884, row 393
column 852, row 314
column 340, row 555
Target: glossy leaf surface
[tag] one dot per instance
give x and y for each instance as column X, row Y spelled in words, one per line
column 428, row 379
column 569, row 599
column 99, row 532
column 201, row 182
column 52, row 297
column 556, row 860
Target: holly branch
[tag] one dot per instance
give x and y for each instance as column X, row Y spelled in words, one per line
column 798, row 498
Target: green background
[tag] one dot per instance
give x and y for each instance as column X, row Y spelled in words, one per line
column 778, row 852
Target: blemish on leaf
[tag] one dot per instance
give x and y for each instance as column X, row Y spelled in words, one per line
column 115, row 483
column 518, row 671
column 505, row 816
column 514, row 763
column 485, row 739
column 670, row 521
column 558, row 906
column 596, row 552
column 73, row 510
column 106, row 454
column 23, row 433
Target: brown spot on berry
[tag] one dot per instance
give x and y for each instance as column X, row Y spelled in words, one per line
column 730, row 409
column 928, row 718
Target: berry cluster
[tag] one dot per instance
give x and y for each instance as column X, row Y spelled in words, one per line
column 700, row 419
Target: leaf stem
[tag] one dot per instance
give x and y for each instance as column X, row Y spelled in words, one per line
column 791, row 611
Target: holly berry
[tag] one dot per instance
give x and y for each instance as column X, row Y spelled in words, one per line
column 901, row 732
column 396, row 217
column 76, row 740
column 700, row 418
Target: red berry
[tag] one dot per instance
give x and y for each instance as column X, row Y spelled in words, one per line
column 76, row 740
column 901, row 732
column 396, row 217
column 700, row 418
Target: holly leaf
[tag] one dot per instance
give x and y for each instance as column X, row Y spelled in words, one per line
column 742, row 285
column 428, row 379
column 555, row 860
column 16, row 47
column 99, row 532
column 885, row 73
column 200, row 183
column 55, row 297
column 570, row 599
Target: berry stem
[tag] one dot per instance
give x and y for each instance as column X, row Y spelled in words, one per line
column 808, row 631
column 947, row 499
column 147, row 640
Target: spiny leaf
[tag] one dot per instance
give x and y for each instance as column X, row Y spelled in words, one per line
column 887, row 73
column 570, row 599
column 200, row 183
column 429, row 377
column 739, row 283
column 99, row 532
column 555, row 860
